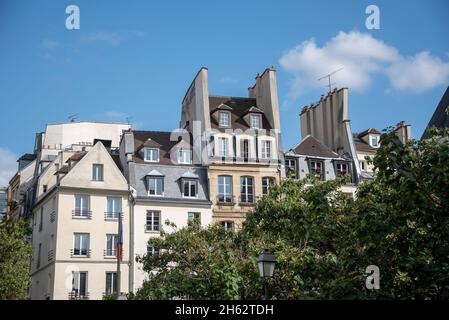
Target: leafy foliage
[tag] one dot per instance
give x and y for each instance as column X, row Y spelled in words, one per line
column 14, row 260
column 322, row 239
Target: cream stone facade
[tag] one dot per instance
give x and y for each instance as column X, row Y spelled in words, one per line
column 239, row 140
column 66, row 265
column 175, row 213
column 235, row 211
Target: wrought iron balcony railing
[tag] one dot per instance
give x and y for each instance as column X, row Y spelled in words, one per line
column 247, row 200
column 225, row 200
column 81, row 214
column 112, row 215
column 73, row 295
column 80, row 253
column 110, row 253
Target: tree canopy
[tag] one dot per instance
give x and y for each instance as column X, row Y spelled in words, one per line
column 15, row 255
column 323, row 240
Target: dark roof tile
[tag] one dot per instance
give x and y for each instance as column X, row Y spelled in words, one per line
column 310, row 146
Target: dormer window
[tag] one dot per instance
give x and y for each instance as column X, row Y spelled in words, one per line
column 256, row 121
column 155, row 186
column 374, row 141
column 151, row 154
column 189, row 188
column 224, row 119
column 185, row 156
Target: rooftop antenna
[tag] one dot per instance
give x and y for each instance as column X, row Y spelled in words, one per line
column 128, row 120
column 328, row 76
column 73, row 117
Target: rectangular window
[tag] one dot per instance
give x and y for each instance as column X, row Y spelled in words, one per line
column 362, row 165
column 255, row 121
column 189, row 188
column 266, row 149
column 81, row 205
column 228, row 225
column 185, row 156
column 374, row 141
column 267, row 182
column 223, row 147
column 153, row 221
column 111, row 283
column 39, row 253
column 155, row 186
column 81, row 244
column 111, row 245
column 41, row 222
column 97, row 172
column 342, row 169
column 224, row 119
column 194, row 217
column 246, row 190
column 290, row 168
column 151, row 154
column 152, row 251
column 79, row 284
column 244, row 149
column 114, row 207
column 224, row 189
column 317, row 168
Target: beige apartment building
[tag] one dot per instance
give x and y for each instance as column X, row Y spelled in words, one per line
column 80, row 196
column 239, row 140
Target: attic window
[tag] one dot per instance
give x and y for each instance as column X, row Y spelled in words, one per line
column 374, row 141
column 185, row 156
column 151, row 154
column 224, row 119
column 256, row 121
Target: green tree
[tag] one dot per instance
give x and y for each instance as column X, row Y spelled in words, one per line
column 192, row 262
column 14, row 260
column 324, row 240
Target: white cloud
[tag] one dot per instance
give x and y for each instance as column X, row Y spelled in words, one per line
column 419, row 73
column 8, row 166
column 112, row 38
column 361, row 56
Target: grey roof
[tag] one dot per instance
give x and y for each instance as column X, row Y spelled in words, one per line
column 239, row 108
column 362, row 146
column 172, row 181
column 310, row 146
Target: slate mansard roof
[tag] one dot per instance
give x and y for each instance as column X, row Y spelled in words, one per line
column 238, row 107
column 159, row 139
column 172, row 173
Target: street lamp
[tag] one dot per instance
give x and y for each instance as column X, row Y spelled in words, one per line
column 266, row 263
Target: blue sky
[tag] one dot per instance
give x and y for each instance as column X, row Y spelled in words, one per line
column 136, row 59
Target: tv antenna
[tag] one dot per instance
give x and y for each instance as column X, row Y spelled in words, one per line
column 128, row 120
column 328, row 76
column 73, row 117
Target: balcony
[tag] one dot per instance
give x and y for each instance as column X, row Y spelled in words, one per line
column 80, row 253
column 52, row 216
column 81, row 214
column 225, row 200
column 246, row 200
column 73, row 295
column 112, row 215
column 51, row 255
column 110, row 253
